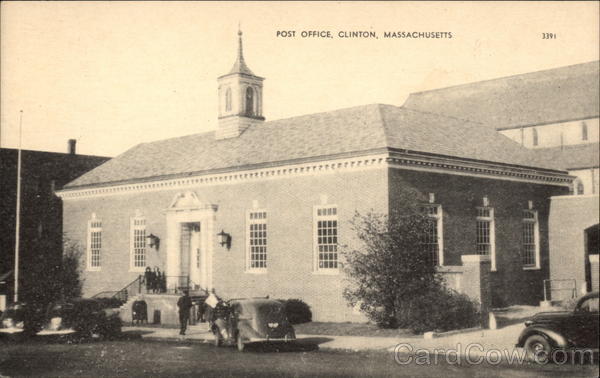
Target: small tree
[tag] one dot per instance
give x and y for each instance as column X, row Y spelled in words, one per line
column 46, row 280
column 393, row 278
column 390, row 268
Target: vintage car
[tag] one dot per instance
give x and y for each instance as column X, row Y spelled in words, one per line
column 252, row 321
column 13, row 319
column 83, row 317
column 547, row 332
column 86, row 317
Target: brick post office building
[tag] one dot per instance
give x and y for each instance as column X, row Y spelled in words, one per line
column 259, row 208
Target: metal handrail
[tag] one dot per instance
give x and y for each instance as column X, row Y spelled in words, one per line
column 124, row 293
column 130, row 289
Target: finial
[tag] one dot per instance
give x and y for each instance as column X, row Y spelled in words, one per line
column 240, row 65
column 240, row 48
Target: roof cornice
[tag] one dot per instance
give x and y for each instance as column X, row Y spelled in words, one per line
column 373, row 159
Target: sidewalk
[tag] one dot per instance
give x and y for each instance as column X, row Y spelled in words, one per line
column 475, row 343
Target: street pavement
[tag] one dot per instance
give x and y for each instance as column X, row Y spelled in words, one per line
column 481, row 341
column 135, row 356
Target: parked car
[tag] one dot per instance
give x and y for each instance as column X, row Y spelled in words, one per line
column 84, row 317
column 13, row 319
column 547, row 332
column 253, row 321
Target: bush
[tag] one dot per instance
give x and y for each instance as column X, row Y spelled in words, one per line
column 388, row 265
column 297, row 311
column 439, row 310
column 111, row 302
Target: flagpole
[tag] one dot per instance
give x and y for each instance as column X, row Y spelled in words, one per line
column 18, row 215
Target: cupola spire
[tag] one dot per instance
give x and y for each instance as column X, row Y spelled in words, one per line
column 240, row 65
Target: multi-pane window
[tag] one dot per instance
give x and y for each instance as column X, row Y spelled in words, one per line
column 257, row 240
column 486, row 234
column 326, row 238
column 94, row 244
column 485, row 218
column 138, row 243
column 530, row 251
column 432, row 239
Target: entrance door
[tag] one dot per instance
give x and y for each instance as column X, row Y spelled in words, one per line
column 195, row 257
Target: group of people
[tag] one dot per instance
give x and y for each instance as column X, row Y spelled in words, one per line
column 155, row 281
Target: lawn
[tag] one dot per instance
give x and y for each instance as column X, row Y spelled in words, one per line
column 349, row 329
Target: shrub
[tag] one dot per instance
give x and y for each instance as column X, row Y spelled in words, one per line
column 111, row 302
column 389, row 266
column 392, row 277
column 297, row 311
column 439, row 310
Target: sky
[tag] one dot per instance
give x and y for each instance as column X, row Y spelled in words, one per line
column 113, row 75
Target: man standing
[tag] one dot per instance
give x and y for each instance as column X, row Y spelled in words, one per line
column 184, row 304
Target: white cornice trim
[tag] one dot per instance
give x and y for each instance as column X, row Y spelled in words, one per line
column 306, row 169
column 477, row 169
column 368, row 162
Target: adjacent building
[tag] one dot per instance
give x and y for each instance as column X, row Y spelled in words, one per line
column 42, row 173
column 555, row 114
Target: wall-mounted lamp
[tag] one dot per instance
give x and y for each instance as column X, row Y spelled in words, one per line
column 224, row 239
column 152, row 241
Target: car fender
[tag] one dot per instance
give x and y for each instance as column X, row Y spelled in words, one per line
column 555, row 338
column 246, row 331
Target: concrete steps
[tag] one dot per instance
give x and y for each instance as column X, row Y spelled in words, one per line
column 162, row 309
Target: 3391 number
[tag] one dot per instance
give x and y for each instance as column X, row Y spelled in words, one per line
column 548, row 35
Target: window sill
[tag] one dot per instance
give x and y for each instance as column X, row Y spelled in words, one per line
column 326, row 272
column 532, row 268
column 256, row 271
column 93, row 269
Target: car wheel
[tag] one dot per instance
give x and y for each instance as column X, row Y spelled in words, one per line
column 240, row 343
column 218, row 339
column 538, row 348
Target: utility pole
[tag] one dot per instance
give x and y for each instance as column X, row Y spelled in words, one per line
column 18, row 215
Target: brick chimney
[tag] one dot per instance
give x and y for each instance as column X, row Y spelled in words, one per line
column 72, row 143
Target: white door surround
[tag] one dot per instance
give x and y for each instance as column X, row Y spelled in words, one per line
column 186, row 208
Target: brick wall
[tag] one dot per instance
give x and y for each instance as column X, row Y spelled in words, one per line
column 459, row 197
column 289, row 203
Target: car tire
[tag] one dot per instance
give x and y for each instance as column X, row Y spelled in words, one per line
column 538, row 348
column 240, row 343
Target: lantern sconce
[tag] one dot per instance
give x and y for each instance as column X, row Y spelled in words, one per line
column 224, row 239
column 152, row 241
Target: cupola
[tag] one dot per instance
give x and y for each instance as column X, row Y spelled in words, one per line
column 240, row 98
